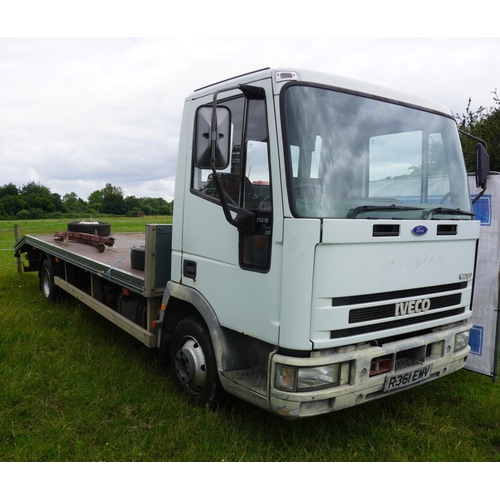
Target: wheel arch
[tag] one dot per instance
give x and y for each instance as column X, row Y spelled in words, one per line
column 181, row 302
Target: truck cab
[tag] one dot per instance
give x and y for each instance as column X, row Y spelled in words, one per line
column 323, row 246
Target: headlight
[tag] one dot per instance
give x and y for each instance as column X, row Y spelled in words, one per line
column 289, row 378
column 461, row 341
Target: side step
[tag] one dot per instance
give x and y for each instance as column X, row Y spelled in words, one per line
column 250, row 379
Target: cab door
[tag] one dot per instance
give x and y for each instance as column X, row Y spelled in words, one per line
column 235, row 270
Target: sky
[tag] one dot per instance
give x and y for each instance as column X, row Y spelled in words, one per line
column 82, row 107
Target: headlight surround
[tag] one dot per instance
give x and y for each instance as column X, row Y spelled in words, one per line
column 299, row 379
column 461, row 341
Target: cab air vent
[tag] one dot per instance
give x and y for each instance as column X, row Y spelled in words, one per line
column 385, row 230
column 447, row 230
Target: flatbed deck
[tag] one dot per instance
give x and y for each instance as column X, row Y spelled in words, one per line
column 114, row 263
column 116, row 257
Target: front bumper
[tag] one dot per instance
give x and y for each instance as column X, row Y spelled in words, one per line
column 358, row 383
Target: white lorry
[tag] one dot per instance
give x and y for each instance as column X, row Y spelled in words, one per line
column 322, row 251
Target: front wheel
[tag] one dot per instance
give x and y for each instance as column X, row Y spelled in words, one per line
column 193, row 364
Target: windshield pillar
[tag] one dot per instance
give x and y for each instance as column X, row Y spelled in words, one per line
column 425, row 169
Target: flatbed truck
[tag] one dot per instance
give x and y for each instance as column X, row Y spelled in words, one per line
column 322, row 251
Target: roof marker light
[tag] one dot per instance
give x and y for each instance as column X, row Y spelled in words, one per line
column 286, row 75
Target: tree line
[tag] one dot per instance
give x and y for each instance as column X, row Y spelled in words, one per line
column 484, row 122
column 35, row 201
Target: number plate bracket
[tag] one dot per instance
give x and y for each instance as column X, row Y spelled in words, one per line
column 408, row 377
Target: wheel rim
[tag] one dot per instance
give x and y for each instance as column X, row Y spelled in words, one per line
column 46, row 283
column 190, row 365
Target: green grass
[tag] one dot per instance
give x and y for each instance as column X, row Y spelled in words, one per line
column 75, row 388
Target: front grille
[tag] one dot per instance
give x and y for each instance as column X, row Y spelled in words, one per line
column 398, row 294
column 408, row 320
column 388, row 311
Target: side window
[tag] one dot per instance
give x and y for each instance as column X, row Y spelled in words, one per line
column 246, row 181
column 257, row 182
column 255, row 249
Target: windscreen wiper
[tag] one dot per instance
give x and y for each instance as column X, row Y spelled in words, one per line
column 451, row 211
column 375, row 208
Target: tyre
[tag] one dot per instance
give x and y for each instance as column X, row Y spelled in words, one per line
column 89, row 227
column 193, row 364
column 138, row 257
column 50, row 291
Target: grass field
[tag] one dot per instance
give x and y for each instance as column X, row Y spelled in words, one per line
column 75, row 388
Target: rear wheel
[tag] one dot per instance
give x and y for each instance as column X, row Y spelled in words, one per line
column 50, row 291
column 193, row 364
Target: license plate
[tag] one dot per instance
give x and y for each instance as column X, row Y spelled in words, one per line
column 407, row 378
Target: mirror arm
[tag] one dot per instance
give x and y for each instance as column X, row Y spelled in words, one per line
column 213, row 162
column 478, row 196
column 244, row 220
column 222, row 196
column 475, row 138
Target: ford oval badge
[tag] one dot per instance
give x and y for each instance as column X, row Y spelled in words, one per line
column 419, row 230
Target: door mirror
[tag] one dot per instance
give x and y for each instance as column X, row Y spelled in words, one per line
column 203, row 138
column 482, row 165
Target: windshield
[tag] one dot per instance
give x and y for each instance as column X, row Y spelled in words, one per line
column 348, row 155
